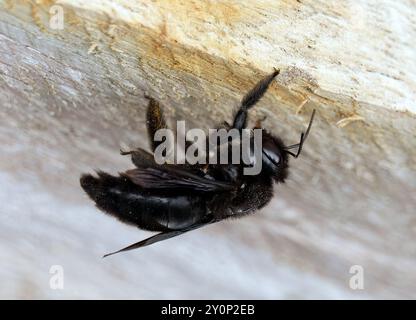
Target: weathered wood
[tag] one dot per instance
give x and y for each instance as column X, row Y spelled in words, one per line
column 70, row 98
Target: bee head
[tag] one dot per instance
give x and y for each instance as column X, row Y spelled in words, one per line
column 275, row 158
column 275, row 153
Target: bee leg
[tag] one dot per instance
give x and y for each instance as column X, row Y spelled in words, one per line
column 251, row 98
column 125, row 153
column 154, row 121
column 140, row 158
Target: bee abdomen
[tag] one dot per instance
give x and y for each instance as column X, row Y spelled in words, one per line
column 119, row 197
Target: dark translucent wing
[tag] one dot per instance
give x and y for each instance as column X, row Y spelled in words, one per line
column 173, row 178
column 161, row 237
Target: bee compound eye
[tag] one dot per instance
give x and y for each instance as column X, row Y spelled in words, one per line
column 272, row 156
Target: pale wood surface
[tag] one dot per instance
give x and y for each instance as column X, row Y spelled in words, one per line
column 69, row 99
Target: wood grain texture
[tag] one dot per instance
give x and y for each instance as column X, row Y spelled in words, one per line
column 70, row 98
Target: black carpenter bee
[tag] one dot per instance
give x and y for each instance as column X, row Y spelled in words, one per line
column 173, row 199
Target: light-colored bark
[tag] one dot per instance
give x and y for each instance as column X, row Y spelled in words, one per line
column 70, row 98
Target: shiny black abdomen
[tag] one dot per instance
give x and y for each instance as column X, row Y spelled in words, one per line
column 153, row 211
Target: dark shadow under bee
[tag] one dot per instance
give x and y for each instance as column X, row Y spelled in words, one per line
column 174, row 199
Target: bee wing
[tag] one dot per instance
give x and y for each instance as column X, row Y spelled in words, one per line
column 174, row 179
column 162, row 236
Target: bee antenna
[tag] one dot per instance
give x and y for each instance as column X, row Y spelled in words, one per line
column 303, row 137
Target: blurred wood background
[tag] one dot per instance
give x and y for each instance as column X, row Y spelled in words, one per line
column 70, row 97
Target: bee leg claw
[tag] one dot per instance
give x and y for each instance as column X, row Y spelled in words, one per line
column 124, row 153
